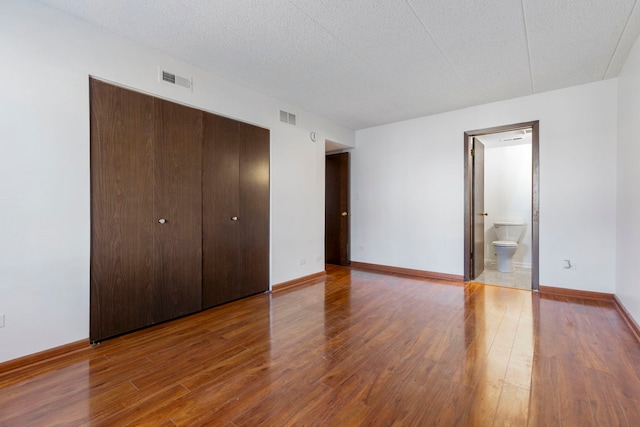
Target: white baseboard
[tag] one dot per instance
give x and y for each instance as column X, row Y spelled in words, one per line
column 522, row 265
column 491, row 264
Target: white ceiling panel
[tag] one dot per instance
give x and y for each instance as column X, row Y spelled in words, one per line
column 386, row 34
column 627, row 40
column 576, row 42
column 485, row 42
column 412, row 72
column 363, row 63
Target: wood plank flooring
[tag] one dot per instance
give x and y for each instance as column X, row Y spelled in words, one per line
column 357, row 348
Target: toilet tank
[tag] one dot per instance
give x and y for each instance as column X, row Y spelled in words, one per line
column 508, row 230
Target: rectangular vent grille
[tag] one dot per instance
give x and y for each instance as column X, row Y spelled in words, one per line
column 286, row 117
column 174, row 79
column 168, row 77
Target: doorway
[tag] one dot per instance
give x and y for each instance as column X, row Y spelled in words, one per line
column 337, row 209
column 474, row 210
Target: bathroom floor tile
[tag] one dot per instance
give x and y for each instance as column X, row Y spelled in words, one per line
column 520, row 278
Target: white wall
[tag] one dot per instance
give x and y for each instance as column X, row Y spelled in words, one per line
column 47, row 57
column 628, row 232
column 408, row 182
column 507, row 197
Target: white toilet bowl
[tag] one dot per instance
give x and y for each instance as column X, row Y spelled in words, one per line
column 504, row 252
column 509, row 234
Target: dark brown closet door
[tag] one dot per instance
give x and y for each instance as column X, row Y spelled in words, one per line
column 177, row 213
column 121, row 210
column 220, row 209
column 235, row 210
column 254, row 209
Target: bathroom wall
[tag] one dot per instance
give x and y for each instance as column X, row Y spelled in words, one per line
column 507, row 196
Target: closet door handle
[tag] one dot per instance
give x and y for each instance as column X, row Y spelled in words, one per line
column 234, row 218
column 162, row 220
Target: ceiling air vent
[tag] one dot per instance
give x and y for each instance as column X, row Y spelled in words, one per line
column 286, row 117
column 515, row 138
column 174, row 79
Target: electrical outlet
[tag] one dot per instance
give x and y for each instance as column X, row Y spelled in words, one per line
column 2, row 320
column 302, row 261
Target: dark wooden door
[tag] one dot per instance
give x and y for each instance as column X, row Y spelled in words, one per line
column 337, row 209
column 122, row 126
column 254, row 209
column 235, row 210
column 177, row 210
column 478, row 208
column 220, row 175
column 146, row 210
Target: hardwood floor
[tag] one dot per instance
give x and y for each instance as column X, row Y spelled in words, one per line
column 358, row 348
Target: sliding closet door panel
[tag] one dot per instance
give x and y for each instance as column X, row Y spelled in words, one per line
column 177, row 213
column 254, row 208
column 221, row 215
column 121, row 206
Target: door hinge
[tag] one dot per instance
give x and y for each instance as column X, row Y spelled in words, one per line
column 473, row 152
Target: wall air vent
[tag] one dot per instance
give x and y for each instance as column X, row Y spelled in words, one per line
column 168, row 77
column 174, row 79
column 286, row 117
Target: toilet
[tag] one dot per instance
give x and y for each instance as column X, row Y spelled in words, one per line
column 507, row 244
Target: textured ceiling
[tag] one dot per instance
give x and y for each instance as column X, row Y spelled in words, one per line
column 368, row 62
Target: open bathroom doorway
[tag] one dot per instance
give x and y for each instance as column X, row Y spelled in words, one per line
column 502, row 205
